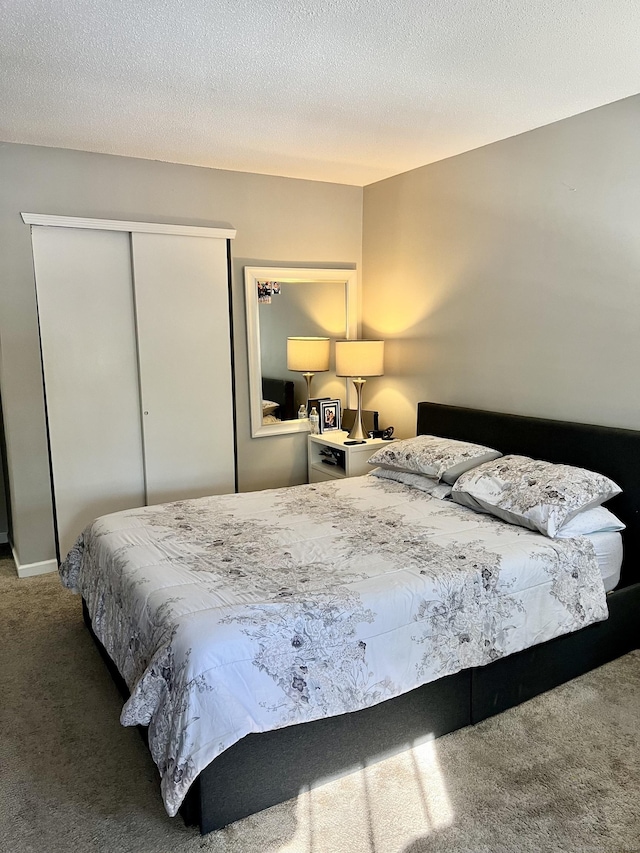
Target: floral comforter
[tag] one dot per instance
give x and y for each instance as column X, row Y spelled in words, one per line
column 243, row 613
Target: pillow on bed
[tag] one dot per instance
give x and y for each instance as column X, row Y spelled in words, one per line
column 539, row 495
column 597, row 520
column 269, row 407
column 440, row 458
column 418, row 481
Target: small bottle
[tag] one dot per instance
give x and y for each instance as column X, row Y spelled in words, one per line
column 302, row 411
column 314, row 422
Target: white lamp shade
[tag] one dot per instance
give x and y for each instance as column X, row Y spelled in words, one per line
column 308, row 355
column 359, row 358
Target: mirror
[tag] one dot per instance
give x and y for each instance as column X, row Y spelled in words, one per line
column 284, row 302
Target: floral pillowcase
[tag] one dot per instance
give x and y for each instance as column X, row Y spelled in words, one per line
column 539, row 495
column 439, row 458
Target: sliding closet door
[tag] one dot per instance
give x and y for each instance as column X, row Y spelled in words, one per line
column 87, row 332
column 182, row 309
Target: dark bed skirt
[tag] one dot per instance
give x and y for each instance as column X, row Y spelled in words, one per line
column 264, row 769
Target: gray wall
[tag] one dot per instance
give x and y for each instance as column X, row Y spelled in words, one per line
column 508, row 277
column 279, row 220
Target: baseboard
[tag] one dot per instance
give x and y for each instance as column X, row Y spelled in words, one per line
column 29, row 570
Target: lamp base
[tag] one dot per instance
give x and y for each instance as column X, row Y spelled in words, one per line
column 308, row 377
column 357, row 430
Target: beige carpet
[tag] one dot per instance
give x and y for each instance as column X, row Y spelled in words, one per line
column 560, row 773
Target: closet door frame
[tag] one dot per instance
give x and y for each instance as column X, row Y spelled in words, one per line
column 123, row 225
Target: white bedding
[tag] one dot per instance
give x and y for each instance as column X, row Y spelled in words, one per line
column 244, row 613
column 608, row 549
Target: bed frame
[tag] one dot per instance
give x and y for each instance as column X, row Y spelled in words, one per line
column 280, row 391
column 268, row 768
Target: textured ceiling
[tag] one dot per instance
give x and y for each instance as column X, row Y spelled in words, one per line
column 335, row 90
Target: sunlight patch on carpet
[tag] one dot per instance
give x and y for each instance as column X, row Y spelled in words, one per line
column 386, row 805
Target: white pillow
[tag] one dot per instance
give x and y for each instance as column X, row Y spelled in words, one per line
column 597, row 520
column 418, row 481
column 440, row 458
column 535, row 494
column 269, row 407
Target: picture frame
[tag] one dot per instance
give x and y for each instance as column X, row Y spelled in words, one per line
column 315, row 402
column 330, row 411
column 267, row 289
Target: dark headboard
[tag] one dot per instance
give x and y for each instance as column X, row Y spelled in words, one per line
column 608, row 450
column 280, row 391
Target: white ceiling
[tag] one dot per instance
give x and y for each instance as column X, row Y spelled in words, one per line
column 335, row 90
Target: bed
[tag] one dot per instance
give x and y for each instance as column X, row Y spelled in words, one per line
column 265, row 767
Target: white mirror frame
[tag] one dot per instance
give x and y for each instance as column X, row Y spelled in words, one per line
column 287, row 275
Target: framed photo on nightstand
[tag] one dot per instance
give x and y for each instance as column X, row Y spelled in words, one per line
column 329, row 415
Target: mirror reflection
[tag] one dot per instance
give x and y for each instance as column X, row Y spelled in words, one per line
column 285, row 304
column 309, row 310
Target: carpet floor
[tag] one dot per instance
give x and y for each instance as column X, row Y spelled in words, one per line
column 559, row 773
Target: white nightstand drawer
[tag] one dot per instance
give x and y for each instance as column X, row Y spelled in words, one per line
column 319, row 474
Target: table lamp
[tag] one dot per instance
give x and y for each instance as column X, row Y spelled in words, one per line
column 359, row 359
column 308, row 356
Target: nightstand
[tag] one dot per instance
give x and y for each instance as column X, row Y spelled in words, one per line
column 329, row 459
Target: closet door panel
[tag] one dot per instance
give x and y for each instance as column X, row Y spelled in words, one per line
column 182, row 309
column 88, row 341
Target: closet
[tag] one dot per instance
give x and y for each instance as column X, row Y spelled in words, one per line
column 136, row 354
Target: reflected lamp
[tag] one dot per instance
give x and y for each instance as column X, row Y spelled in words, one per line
column 308, row 356
column 359, row 359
